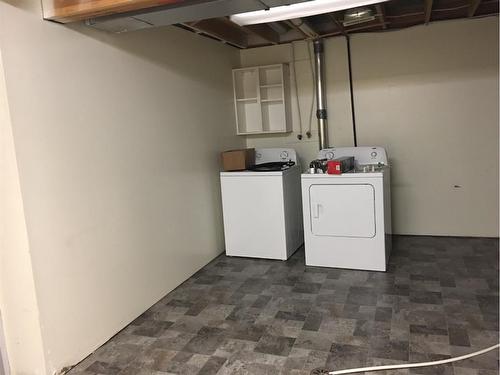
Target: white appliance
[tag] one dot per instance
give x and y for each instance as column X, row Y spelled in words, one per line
column 347, row 217
column 263, row 210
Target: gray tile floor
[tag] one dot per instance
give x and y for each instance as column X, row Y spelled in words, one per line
column 248, row 316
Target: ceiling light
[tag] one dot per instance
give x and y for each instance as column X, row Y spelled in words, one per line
column 305, row 9
column 356, row 16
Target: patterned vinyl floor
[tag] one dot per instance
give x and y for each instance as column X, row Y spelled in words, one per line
column 248, row 316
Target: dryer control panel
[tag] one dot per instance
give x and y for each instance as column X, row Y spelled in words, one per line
column 362, row 155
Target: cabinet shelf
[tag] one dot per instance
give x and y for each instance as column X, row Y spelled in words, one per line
column 272, row 101
column 268, row 86
column 261, row 96
column 265, row 132
column 247, row 100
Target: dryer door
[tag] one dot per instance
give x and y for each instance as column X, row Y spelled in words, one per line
column 342, row 210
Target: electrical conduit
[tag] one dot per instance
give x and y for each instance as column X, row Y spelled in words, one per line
column 413, row 365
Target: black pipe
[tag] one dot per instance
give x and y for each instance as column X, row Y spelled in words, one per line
column 353, row 115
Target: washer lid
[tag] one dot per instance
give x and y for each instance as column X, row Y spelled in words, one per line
column 272, row 166
column 261, row 174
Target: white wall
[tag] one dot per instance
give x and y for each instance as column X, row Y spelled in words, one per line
column 117, row 139
column 428, row 94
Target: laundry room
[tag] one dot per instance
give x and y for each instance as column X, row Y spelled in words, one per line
column 249, row 187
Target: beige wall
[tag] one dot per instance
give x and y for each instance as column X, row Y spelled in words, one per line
column 18, row 305
column 428, row 94
column 337, row 96
column 106, row 214
column 117, row 140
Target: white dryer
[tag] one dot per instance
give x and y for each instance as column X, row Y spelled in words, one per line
column 347, row 217
column 262, row 209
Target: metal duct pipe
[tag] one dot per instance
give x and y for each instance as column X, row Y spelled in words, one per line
column 319, row 61
column 304, row 27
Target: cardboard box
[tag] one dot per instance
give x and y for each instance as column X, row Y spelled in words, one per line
column 238, row 160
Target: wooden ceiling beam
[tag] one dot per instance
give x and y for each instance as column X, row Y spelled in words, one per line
column 338, row 24
column 265, row 32
column 474, row 4
column 381, row 15
column 221, row 29
column 427, row 10
column 351, row 30
column 65, row 11
column 294, row 27
column 304, row 27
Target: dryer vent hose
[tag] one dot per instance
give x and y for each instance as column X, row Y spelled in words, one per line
column 412, row 365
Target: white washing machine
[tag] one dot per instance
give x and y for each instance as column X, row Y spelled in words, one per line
column 262, row 209
column 347, row 217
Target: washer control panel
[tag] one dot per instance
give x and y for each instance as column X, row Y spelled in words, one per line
column 267, row 155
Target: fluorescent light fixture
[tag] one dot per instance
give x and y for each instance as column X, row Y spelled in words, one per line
column 305, row 9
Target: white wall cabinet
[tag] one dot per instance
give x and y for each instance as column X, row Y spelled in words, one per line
column 262, row 99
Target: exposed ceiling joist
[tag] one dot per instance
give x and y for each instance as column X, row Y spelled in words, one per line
column 351, row 30
column 279, row 27
column 221, row 29
column 338, row 24
column 169, row 11
column 304, row 27
column 265, row 32
column 428, row 10
column 293, row 25
column 210, row 18
column 474, row 4
column 381, row 15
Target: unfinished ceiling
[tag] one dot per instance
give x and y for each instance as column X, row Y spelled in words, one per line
column 395, row 14
column 210, row 18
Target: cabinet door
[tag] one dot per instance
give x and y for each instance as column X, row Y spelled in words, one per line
column 342, row 210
